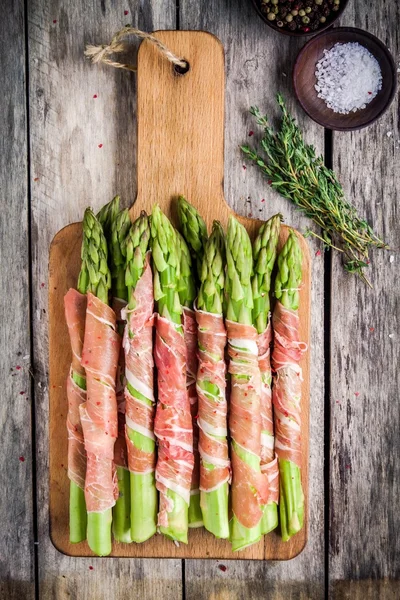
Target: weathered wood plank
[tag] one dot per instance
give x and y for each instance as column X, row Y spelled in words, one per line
column 258, row 64
column 70, row 171
column 365, row 471
column 16, row 510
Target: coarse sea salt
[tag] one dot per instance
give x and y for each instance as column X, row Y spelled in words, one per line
column 348, row 77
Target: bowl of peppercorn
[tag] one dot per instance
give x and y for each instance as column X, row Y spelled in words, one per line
column 299, row 17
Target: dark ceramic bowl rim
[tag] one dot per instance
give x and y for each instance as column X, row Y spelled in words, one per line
column 294, row 33
column 385, row 50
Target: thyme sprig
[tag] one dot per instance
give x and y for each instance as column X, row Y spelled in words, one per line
column 294, row 171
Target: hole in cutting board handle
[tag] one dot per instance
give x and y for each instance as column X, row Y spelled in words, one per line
column 182, row 70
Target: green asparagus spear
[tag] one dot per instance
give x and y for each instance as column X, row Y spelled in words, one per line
column 212, row 276
column 167, row 269
column 239, row 309
column 95, row 278
column 187, row 294
column 94, row 275
column 288, row 278
column 118, row 225
column 287, row 283
column 214, row 504
column 166, row 275
column 186, row 284
column 107, row 215
column 143, row 486
column 265, row 250
column 77, row 504
column 239, row 258
column 194, row 231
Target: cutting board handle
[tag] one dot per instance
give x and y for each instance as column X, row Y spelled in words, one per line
column 181, row 125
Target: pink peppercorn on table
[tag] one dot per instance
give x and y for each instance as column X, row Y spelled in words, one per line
column 69, row 140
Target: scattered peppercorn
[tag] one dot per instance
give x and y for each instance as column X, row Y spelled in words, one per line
column 299, row 15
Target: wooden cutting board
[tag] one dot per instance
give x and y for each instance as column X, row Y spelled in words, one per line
column 180, row 151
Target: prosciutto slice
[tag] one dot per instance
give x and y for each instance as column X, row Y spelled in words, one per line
column 212, row 419
column 269, row 465
column 99, row 413
column 249, row 485
column 138, row 347
column 286, row 356
column 120, row 450
column 190, row 336
column 173, row 422
column 75, row 312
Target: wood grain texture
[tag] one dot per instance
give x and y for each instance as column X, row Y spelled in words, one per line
column 365, row 383
column 258, row 63
column 16, row 510
column 180, row 147
column 67, row 126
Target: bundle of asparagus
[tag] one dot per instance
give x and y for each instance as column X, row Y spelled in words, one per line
column 264, row 250
column 99, row 412
column 286, row 355
column 249, row 486
column 191, row 247
column 187, row 293
column 119, row 226
column 173, row 424
column 191, row 397
column 211, row 384
column 139, row 393
column 75, row 312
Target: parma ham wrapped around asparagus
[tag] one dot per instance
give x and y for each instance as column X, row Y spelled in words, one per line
column 99, row 413
column 211, row 387
column 187, row 294
column 120, row 225
column 139, row 392
column 287, row 351
column 264, row 251
column 194, row 232
column 75, row 314
column 173, row 422
column 249, row 485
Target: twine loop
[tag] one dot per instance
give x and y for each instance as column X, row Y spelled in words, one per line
column 101, row 54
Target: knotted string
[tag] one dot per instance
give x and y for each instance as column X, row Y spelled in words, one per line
column 101, row 54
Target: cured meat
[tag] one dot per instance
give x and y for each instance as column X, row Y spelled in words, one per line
column 286, row 356
column 120, row 450
column 249, row 486
column 190, row 337
column 75, row 312
column 271, row 471
column 99, row 412
column 213, row 444
column 173, row 424
column 269, row 465
column 138, row 347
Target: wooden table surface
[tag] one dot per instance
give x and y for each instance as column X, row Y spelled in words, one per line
column 68, row 139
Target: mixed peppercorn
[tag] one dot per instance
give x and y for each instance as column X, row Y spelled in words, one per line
column 299, row 15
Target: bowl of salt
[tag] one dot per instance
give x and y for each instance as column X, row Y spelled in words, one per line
column 344, row 78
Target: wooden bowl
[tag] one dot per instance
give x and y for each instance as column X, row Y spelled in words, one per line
column 304, row 79
column 272, row 24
